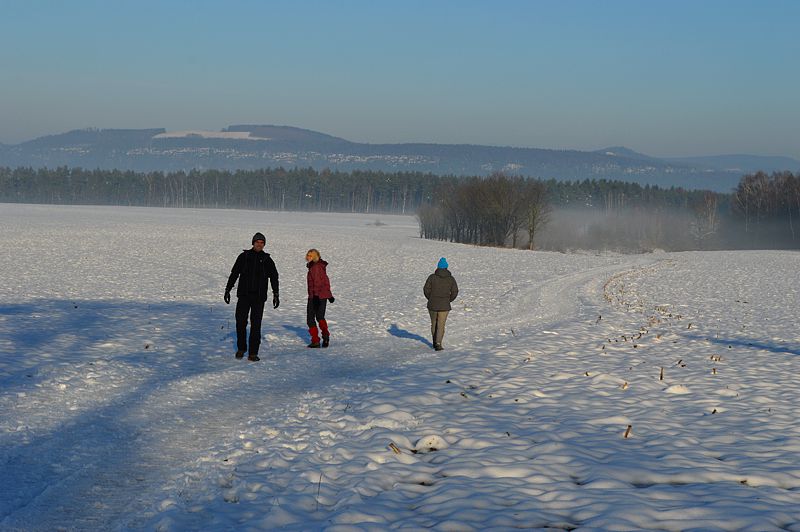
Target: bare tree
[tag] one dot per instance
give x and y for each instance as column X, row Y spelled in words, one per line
column 537, row 209
column 787, row 194
column 501, row 210
column 706, row 218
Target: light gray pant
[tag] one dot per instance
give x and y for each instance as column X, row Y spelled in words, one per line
column 438, row 319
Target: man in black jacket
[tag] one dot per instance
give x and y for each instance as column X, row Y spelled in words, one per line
column 255, row 269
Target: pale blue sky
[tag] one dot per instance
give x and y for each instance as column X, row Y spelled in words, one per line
column 668, row 78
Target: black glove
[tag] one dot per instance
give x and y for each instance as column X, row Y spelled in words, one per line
column 227, row 297
column 331, row 299
column 275, row 301
column 315, row 300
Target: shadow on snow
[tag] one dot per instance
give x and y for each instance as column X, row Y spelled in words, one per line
column 396, row 331
column 300, row 332
column 749, row 343
column 116, row 449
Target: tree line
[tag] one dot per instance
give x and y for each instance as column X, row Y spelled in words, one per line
column 298, row 189
column 769, row 205
column 492, row 211
column 292, row 189
column 762, row 212
column 499, row 210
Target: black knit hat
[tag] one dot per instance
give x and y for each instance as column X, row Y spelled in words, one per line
column 258, row 236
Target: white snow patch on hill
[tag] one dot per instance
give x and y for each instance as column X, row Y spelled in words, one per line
column 228, row 135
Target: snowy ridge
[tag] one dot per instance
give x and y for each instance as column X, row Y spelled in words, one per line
column 197, row 133
column 575, row 391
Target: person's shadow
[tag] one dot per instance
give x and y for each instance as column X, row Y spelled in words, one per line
column 394, row 330
column 300, row 332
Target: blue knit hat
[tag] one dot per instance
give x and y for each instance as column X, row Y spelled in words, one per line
column 442, row 263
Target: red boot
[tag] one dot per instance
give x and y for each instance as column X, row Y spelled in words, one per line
column 326, row 335
column 314, row 337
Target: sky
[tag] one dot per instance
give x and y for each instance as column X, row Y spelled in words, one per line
column 667, row 78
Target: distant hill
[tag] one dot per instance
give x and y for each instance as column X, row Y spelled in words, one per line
column 260, row 146
column 92, row 138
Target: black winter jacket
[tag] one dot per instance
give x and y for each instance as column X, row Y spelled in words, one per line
column 440, row 289
column 254, row 271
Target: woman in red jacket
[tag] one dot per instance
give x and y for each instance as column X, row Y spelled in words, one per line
column 319, row 293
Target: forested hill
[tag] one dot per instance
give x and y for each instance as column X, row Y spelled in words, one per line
column 252, row 147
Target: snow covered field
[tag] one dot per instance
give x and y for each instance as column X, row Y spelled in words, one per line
column 122, row 407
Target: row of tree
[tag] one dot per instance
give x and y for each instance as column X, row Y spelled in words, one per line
column 298, row 189
column 295, row 189
column 490, row 211
column 768, row 202
column 763, row 211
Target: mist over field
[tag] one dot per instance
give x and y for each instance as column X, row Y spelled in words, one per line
column 637, row 230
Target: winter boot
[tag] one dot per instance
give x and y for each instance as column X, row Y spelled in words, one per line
column 326, row 335
column 253, row 358
column 239, row 354
column 314, row 337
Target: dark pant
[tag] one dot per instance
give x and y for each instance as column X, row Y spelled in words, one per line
column 438, row 320
column 315, row 312
column 253, row 306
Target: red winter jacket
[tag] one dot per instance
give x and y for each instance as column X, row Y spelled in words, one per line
column 318, row 283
